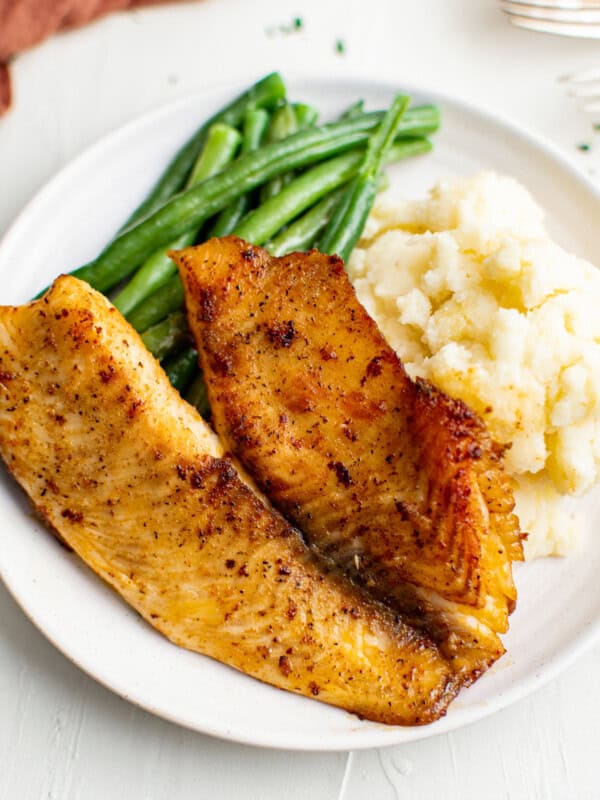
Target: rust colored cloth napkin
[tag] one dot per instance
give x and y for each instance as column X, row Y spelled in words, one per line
column 24, row 23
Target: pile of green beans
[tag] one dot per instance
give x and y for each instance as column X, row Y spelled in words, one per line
column 266, row 93
column 263, row 169
column 350, row 215
column 256, row 123
column 222, row 142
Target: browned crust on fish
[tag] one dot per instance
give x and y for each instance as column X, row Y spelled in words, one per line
column 137, row 484
column 397, row 482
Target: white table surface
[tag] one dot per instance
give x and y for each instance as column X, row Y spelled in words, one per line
column 61, row 735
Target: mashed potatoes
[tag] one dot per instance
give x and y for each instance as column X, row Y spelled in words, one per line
column 473, row 294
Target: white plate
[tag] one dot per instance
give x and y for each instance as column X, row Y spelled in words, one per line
column 558, row 612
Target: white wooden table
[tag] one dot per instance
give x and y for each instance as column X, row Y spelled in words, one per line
column 61, row 735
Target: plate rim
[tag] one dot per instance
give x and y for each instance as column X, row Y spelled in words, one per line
column 379, row 736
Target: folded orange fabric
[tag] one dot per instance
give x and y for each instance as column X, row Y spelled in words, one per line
column 24, row 23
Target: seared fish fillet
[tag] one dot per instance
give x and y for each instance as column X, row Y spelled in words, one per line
column 135, row 482
column 397, row 482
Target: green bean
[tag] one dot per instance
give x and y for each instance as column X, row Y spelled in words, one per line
column 303, row 232
column 355, row 110
column 347, row 223
column 255, row 125
column 222, row 142
column 283, row 124
column 181, row 368
column 297, row 196
column 406, row 148
column 196, row 395
column 306, row 115
column 418, row 121
column 165, row 337
column 191, row 208
column 266, row 93
column 164, row 300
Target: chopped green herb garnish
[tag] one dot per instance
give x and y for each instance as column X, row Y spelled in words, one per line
column 584, row 147
column 340, row 47
column 297, row 24
column 597, row 126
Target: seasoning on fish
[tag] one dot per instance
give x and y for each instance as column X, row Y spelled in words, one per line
column 136, row 483
column 394, row 480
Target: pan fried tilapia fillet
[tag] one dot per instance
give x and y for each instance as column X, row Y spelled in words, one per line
column 135, row 482
column 397, row 482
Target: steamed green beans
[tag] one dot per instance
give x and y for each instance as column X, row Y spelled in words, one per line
column 302, row 233
column 192, row 207
column 196, row 395
column 167, row 336
column 297, row 196
column 284, row 123
column 163, row 301
column 347, row 223
column 221, row 145
column 269, row 218
column 266, row 93
column 255, row 126
column 287, row 120
column 306, row 115
column 181, row 368
column 354, row 110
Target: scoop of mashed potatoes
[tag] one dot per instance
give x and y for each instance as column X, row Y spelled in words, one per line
column 473, row 294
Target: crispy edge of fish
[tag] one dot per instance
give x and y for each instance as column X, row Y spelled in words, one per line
column 80, row 321
column 475, row 458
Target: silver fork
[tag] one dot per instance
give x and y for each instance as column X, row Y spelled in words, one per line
column 564, row 17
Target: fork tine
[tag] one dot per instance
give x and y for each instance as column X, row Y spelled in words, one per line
column 558, row 28
column 589, row 89
column 576, row 15
column 582, row 76
column 551, row 8
column 565, row 17
column 557, row 5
